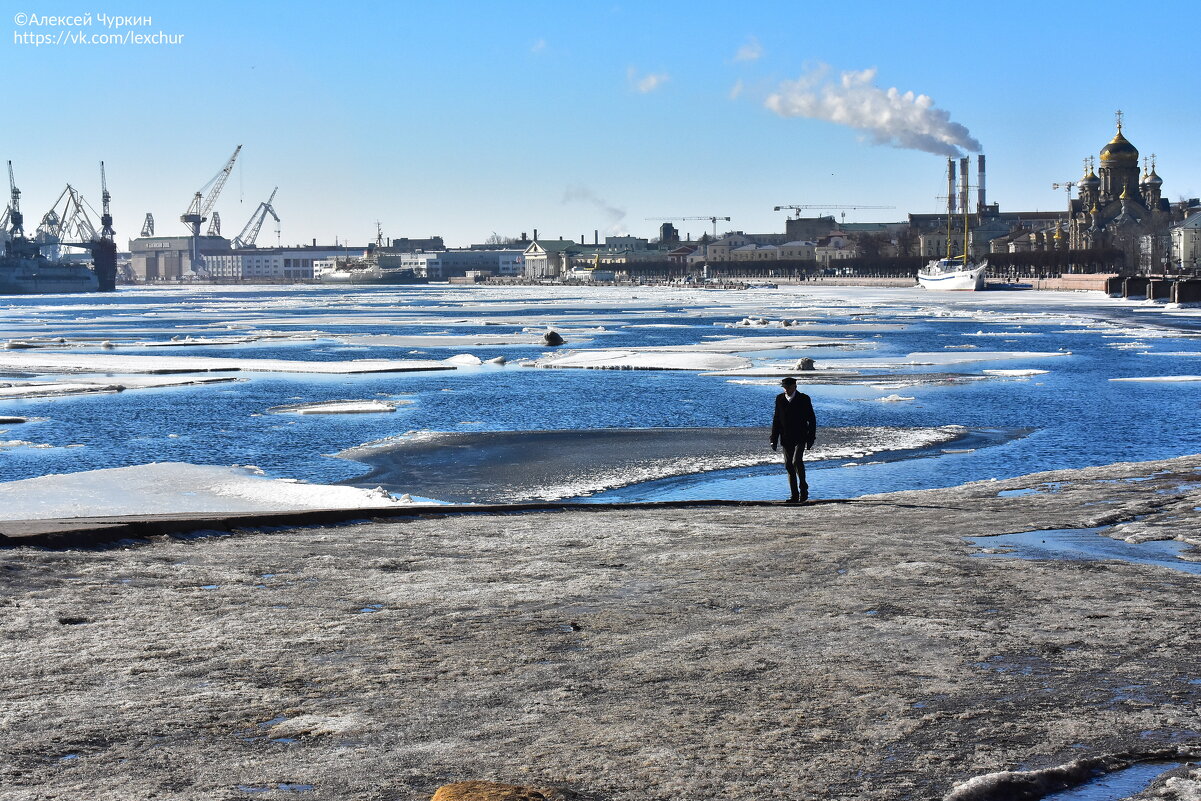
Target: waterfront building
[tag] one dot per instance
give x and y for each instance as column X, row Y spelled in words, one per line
column 170, row 258
column 274, row 265
column 443, row 265
column 549, row 258
column 1186, row 242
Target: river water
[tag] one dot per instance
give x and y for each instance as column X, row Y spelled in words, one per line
column 1071, row 416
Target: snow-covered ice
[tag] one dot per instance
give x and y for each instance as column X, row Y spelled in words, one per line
column 336, row 407
column 1163, row 378
column 1015, row 372
column 641, row 360
column 125, row 363
column 173, row 488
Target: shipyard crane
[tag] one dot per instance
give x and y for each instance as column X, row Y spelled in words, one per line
column 214, row 225
column 711, row 218
column 71, row 221
column 206, row 196
column 250, row 232
column 106, row 217
column 202, row 204
column 148, row 225
column 823, row 206
column 13, row 223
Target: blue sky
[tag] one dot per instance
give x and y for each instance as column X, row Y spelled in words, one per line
column 465, row 118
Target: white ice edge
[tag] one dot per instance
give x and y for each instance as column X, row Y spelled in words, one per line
column 172, row 488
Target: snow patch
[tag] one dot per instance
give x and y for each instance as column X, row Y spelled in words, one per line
column 174, row 488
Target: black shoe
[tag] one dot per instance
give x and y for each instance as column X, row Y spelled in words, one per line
column 793, row 499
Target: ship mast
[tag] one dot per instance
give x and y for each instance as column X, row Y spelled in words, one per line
column 950, row 202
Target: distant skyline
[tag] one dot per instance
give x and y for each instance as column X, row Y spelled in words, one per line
column 462, row 119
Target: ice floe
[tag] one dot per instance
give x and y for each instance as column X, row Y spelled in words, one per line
column 173, row 488
column 1015, row 372
column 641, row 360
column 1163, row 378
column 124, row 363
column 101, row 384
column 338, row 407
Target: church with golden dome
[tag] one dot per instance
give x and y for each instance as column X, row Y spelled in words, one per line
column 1119, row 205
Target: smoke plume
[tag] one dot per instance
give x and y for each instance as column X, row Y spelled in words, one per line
column 612, row 214
column 889, row 116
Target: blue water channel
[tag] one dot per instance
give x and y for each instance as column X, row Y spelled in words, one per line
column 1073, row 416
column 1117, row 785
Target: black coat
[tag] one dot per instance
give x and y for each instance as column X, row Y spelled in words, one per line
column 793, row 422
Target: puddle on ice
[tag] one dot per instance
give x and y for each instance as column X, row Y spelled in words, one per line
column 1016, row 493
column 1117, row 785
column 1083, row 544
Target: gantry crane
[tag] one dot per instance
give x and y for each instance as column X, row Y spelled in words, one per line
column 68, row 224
column 824, row 206
column 202, row 204
column 67, row 219
column 250, row 232
column 711, row 218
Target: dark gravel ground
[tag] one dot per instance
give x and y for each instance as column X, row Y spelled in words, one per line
column 848, row 650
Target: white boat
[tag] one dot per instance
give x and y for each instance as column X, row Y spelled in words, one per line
column 954, row 274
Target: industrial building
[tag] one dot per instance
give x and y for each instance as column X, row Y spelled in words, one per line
column 172, row 258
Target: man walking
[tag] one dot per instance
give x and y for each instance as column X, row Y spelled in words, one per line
column 794, row 426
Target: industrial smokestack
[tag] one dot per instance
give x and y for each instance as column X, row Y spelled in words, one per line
column 535, row 234
column 950, row 186
column 964, row 163
column 581, row 239
column 980, row 182
column 596, row 236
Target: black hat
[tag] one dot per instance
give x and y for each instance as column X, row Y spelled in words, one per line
column 788, row 382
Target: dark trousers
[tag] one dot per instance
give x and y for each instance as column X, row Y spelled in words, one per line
column 794, row 461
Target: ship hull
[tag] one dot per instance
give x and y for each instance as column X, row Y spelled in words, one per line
column 370, row 277
column 47, row 280
column 940, row 278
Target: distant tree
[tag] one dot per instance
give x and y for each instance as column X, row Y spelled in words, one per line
column 907, row 242
column 498, row 239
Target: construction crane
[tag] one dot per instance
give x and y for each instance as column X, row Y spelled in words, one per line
column 711, row 218
column 824, row 206
column 202, row 204
column 250, row 232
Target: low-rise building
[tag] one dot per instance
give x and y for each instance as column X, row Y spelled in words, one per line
column 549, row 258
column 276, row 264
column 1186, row 242
column 443, row 265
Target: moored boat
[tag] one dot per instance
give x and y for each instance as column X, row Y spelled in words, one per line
column 954, row 274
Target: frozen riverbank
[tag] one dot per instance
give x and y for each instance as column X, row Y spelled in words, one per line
column 857, row 650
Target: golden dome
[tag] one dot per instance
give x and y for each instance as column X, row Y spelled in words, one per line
column 1119, row 151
